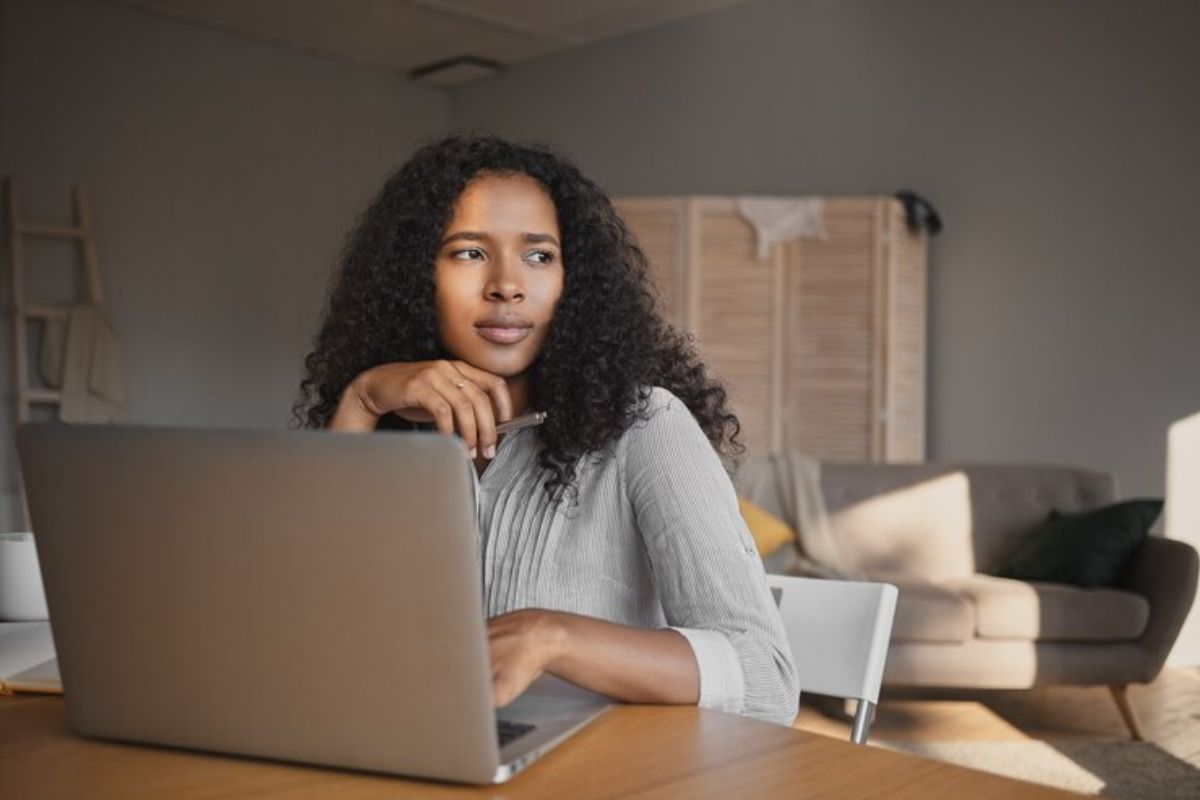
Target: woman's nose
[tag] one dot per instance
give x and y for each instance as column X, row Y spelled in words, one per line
column 504, row 283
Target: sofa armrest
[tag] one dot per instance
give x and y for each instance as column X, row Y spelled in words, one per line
column 1165, row 572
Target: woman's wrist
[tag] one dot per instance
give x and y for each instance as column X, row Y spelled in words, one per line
column 552, row 632
column 354, row 412
column 634, row 664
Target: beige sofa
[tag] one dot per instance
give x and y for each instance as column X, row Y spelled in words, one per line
column 936, row 530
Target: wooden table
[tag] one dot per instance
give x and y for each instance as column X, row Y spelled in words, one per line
column 632, row 751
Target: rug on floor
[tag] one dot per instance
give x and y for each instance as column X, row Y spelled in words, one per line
column 1163, row 769
column 1125, row 770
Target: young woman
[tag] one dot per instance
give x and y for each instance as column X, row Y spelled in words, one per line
column 490, row 279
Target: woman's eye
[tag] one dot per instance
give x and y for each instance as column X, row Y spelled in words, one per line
column 540, row 256
column 470, row 254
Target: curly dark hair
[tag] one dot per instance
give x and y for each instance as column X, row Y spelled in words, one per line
column 607, row 345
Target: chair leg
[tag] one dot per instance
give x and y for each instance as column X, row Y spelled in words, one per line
column 1120, row 695
column 864, row 715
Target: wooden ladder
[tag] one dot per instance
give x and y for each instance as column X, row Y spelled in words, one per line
column 26, row 395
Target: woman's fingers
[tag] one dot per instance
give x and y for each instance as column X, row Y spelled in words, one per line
column 515, row 661
column 494, row 385
column 508, row 685
column 456, row 395
column 485, row 420
column 430, row 399
column 489, row 394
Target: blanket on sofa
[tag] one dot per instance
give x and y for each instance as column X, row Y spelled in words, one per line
column 788, row 485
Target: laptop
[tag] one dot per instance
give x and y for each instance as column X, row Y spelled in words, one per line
column 295, row 595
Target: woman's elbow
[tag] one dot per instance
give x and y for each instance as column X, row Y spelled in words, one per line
column 775, row 693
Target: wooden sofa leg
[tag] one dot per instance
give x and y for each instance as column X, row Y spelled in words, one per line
column 1120, row 694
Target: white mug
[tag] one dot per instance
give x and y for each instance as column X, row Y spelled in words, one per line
column 22, row 598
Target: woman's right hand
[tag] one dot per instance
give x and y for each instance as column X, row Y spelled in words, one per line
column 454, row 395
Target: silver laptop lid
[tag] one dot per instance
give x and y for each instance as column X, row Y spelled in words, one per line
column 306, row 596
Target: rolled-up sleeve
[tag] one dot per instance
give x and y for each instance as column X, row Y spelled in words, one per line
column 707, row 572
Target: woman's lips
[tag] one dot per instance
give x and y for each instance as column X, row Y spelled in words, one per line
column 503, row 335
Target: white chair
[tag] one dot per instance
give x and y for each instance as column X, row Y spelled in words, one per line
column 838, row 632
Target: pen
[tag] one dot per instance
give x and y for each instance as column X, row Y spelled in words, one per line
column 523, row 421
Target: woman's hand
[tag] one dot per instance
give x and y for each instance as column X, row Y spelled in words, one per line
column 454, row 395
column 521, row 645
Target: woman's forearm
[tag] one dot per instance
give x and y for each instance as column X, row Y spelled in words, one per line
column 631, row 664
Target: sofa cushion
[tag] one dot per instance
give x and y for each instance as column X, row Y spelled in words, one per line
column 1012, row 609
column 768, row 531
column 929, row 612
column 1087, row 549
column 921, row 530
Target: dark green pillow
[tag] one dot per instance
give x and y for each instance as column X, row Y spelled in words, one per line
column 1087, row 549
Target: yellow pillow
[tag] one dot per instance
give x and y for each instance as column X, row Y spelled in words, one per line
column 770, row 533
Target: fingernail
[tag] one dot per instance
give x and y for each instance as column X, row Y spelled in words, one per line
column 472, row 452
column 490, row 452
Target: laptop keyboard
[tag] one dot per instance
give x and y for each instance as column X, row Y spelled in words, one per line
column 508, row 731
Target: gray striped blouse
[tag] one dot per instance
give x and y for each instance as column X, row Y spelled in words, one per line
column 655, row 540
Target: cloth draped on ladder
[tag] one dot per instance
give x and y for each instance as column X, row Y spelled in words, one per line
column 82, row 358
column 789, row 485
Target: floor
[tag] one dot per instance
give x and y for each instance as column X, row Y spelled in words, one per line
column 1070, row 738
column 1050, row 713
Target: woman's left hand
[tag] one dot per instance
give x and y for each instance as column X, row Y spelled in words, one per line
column 521, row 645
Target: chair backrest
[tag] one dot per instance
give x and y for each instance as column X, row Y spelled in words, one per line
column 838, row 632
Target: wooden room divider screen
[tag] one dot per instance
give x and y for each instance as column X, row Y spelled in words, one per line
column 821, row 344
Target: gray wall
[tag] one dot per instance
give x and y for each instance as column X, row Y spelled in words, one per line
column 1057, row 137
column 223, row 173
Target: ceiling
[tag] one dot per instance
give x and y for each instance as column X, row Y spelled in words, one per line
column 406, row 35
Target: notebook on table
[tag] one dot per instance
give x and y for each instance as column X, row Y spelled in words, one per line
column 27, row 662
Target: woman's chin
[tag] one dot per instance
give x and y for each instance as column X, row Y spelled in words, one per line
column 507, row 368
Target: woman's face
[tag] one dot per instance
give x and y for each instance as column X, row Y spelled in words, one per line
column 499, row 274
